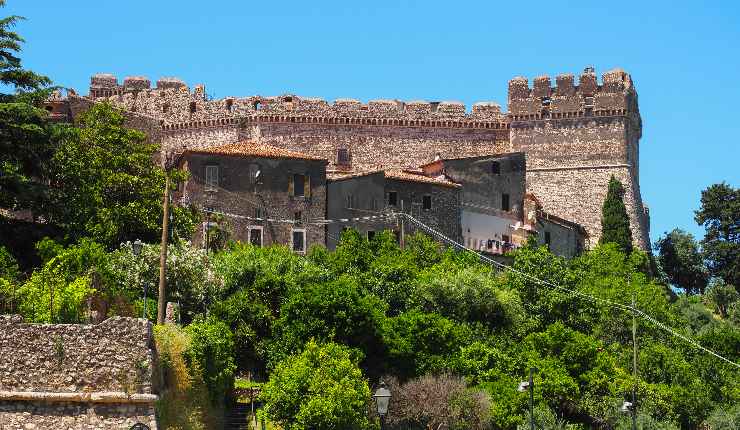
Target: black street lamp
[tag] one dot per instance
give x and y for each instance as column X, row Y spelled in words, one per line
column 382, row 398
column 136, row 248
column 529, row 386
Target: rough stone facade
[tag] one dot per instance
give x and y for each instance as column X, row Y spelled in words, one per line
column 256, row 191
column 76, row 376
column 575, row 135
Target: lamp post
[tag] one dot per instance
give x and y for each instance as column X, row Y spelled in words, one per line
column 136, row 248
column 382, row 398
column 529, row 386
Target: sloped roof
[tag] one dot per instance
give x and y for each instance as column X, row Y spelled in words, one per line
column 405, row 175
column 253, row 149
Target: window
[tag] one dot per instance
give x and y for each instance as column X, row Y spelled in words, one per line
column 350, row 201
column 193, row 107
column 343, row 156
column 258, row 213
column 166, row 108
column 229, row 104
column 299, row 241
column 392, row 198
column 211, row 178
column 505, row 238
column 255, row 236
column 374, row 204
column 496, row 168
column 257, row 105
column 370, row 235
column 547, row 238
column 300, row 186
column 297, row 216
column 427, row 202
column 505, row 202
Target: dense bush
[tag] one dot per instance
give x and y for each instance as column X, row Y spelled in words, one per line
column 322, row 388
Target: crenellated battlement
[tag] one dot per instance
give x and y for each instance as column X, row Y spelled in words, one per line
column 176, row 106
column 615, row 96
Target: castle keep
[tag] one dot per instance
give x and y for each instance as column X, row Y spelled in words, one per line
column 575, row 135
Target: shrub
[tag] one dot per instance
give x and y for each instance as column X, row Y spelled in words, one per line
column 321, row 388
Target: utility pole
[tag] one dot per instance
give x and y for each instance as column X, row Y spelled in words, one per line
column 531, row 398
column 634, row 359
column 163, row 248
column 403, row 226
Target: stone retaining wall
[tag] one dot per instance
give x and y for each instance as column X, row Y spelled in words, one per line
column 75, row 376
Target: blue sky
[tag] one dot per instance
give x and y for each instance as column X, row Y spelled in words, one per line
column 683, row 56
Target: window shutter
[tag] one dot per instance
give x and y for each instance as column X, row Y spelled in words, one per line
column 290, row 186
column 307, row 186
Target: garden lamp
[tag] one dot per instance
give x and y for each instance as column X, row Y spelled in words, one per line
column 382, row 398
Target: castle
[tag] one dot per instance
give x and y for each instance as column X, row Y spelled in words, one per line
column 575, row 135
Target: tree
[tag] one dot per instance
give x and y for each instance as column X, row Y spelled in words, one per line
column 615, row 224
column 106, row 184
column 722, row 296
column 25, row 133
column 322, row 388
column 720, row 216
column 211, row 352
column 681, row 259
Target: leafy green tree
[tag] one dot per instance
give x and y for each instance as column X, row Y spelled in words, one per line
column 421, row 343
column 212, row 353
column 681, row 259
column 721, row 297
column 337, row 311
column 322, row 388
column 725, row 418
column 615, row 224
column 106, row 184
column 8, row 265
column 25, row 133
column 720, row 216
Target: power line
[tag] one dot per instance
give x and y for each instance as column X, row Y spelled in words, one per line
column 585, row 296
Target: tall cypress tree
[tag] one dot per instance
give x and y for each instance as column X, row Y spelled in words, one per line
column 615, row 224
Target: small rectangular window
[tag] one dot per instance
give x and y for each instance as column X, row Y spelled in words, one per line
column 255, row 236
column 298, row 185
column 211, row 178
column 496, row 168
column 370, row 235
column 505, row 238
column 350, row 201
column 258, row 213
column 297, row 216
column 427, row 203
column 374, row 204
column 299, row 241
column 392, row 198
column 505, row 202
column 547, row 238
column 343, row 156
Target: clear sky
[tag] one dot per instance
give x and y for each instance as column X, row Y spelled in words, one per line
column 683, row 56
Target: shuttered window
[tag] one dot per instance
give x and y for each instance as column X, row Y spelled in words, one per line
column 211, row 177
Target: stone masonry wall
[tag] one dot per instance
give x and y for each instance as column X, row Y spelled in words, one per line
column 576, row 138
column 76, row 376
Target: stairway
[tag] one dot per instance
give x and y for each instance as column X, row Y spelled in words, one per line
column 237, row 417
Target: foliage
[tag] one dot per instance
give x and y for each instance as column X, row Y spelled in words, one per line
column 615, row 224
column 680, row 257
column 322, row 388
column 184, row 402
column 59, row 291
column 106, row 184
column 433, row 402
column 725, row 418
column 720, row 216
column 26, row 142
column 8, row 265
column 722, row 297
column 211, row 352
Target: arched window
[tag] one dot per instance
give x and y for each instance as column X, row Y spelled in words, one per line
column 193, row 107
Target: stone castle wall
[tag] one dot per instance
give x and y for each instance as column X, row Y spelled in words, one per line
column 572, row 133
column 76, row 376
column 576, row 138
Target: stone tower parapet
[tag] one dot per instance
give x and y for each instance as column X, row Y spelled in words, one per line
column 576, row 137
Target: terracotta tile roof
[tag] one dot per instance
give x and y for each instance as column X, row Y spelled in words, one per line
column 252, row 149
column 338, row 176
column 405, row 175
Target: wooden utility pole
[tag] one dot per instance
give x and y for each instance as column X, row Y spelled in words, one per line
column 634, row 361
column 163, row 249
column 403, row 226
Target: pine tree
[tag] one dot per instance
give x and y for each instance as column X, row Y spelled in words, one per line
column 615, row 224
